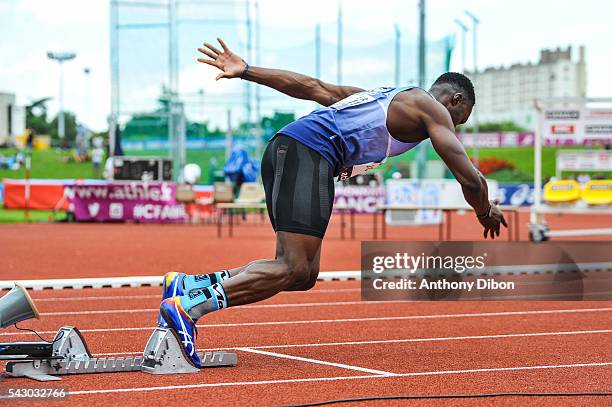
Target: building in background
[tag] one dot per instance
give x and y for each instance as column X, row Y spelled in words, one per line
column 12, row 118
column 7, row 101
column 507, row 94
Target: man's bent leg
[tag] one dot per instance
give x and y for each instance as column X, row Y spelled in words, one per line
column 310, row 279
column 299, row 254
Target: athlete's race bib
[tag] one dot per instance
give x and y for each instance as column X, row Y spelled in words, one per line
column 360, row 98
column 353, row 100
column 348, row 172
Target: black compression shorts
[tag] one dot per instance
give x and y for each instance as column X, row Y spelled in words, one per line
column 299, row 187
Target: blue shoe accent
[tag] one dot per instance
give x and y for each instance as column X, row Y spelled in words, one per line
column 172, row 286
column 178, row 320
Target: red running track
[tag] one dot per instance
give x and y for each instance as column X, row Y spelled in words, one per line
column 305, row 347
column 326, row 344
column 42, row 251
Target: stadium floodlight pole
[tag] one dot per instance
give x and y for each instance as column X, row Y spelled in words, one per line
column 61, row 57
column 249, row 52
column 318, row 51
column 397, row 55
column 475, row 22
column 422, row 43
column 339, row 55
column 463, row 31
column 258, row 88
column 114, row 76
column 87, row 72
column 202, row 111
column 229, row 137
column 317, row 54
column 422, row 149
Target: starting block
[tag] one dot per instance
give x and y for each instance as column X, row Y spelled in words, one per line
column 164, row 355
column 70, row 355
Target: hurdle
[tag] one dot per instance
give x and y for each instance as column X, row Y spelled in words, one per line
column 343, row 209
column 444, row 233
column 572, row 110
column 229, row 209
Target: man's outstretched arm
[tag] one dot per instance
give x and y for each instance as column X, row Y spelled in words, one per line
column 299, row 86
column 473, row 184
column 290, row 83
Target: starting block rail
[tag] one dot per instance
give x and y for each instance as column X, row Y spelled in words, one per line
column 539, row 230
column 70, row 355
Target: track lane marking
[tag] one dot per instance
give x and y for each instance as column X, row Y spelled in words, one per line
column 389, row 341
column 340, row 320
column 317, row 361
column 434, row 339
column 256, row 306
column 337, row 378
column 158, row 296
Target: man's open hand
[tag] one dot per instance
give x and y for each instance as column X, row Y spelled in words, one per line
column 492, row 221
column 230, row 64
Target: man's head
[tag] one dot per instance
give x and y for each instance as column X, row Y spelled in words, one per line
column 456, row 92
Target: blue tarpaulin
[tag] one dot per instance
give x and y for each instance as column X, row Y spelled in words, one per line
column 240, row 167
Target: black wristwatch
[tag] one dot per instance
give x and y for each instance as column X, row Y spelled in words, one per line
column 245, row 70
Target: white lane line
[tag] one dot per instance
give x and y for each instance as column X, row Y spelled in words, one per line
column 337, row 378
column 158, row 296
column 450, row 338
column 317, row 361
column 137, row 281
column 98, row 298
column 342, row 320
column 255, row 306
column 390, row 341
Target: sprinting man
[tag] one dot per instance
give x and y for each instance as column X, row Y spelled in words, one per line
column 355, row 131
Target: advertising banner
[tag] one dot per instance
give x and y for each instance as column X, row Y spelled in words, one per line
column 362, row 199
column 129, row 201
column 577, row 126
column 429, row 192
column 491, row 140
column 498, row 140
column 44, row 194
column 583, row 160
column 515, row 194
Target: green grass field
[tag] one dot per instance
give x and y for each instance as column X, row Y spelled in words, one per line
column 18, row 215
column 50, row 163
column 521, row 157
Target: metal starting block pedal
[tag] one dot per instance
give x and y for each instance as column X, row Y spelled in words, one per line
column 164, row 355
column 70, row 355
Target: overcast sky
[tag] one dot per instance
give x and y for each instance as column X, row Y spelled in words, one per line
column 510, row 32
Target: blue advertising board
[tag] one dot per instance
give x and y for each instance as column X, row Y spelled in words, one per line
column 515, row 194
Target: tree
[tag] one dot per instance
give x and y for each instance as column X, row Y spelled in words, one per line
column 69, row 126
column 154, row 124
column 36, row 116
column 277, row 121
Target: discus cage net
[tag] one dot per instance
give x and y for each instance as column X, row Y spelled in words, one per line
column 165, row 103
